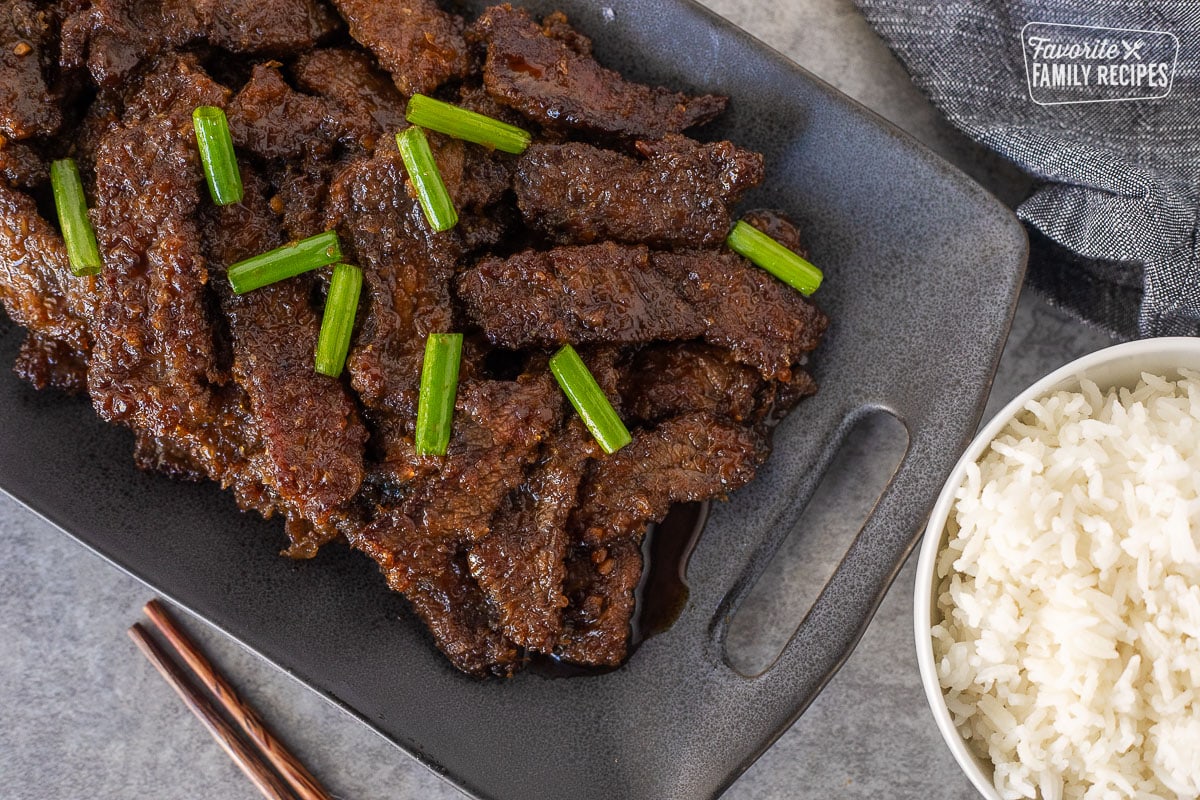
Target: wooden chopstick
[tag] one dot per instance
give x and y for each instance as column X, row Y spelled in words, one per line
column 242, row 754
column 301, row 782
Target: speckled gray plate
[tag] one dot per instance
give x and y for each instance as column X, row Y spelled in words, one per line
column 922, row 272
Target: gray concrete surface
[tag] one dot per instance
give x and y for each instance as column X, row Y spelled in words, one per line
column 82, row 716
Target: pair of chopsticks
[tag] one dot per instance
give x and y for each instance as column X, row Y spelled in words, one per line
column 275, row 771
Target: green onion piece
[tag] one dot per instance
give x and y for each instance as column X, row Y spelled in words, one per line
column 749, row 241
column 423, row 172
column 588, row 398
column 337, row 323
column 217, row 156
column 468, row 125
column 439, row 385
column 83, row 254
column 284, row 262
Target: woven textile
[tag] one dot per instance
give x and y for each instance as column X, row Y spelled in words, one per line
column 1119, row 205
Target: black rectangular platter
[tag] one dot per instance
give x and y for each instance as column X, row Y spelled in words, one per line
column 922, row 272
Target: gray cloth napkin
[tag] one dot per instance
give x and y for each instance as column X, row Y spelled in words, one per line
column 1120, row 201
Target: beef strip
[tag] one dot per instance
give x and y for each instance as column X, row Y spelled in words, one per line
column 692, row 457
column 36, row 284
column 498, row 429
column 547, row 73
column 599, row 587
column 672, row 378
column 152, row 364
column 111, row 37
column 302, row 188
column 349, row 78
column 433, row 576
column 274, row 121
column 627, row 294
column 161, row 454
column 27, row 105
column 778, row 227
column 418, row 43
column 763, row 321
column 20, row 165
column 276, row 27
column 173, row 88
column 679, row 195
column 310, row 428
column 477, row 180
column 593, row 293
column 303, row 191
column 104, row 113
column 46, row 362
column 406, row 270
column 521, row 565
column 450, row 502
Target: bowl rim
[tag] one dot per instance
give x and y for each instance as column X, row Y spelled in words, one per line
column 935, row 529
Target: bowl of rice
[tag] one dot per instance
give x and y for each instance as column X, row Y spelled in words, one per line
column 1057, row 609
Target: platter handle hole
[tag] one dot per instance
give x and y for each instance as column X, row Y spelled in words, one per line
column 806, row 559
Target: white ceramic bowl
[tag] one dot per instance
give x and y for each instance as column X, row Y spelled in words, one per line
column 1120, row 365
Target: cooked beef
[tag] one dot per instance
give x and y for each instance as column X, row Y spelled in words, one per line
column 521, row 564
column 309, row 426
column 525, row 537
column 27, row 105
column 112, row 37
column 691, row 457
column 36, row 283
column 153, row 363
column 406, row 273
column 273, row 120
column 21, row 166
column 303, row 190
column 421, row 543
column 763, row 322
column 547, row 73
column 778, row 227
column 791, row 392
column 679, row 195
column 673, row 378
column 46, row 362
column 175, row 86
column 608, row 292
column 593, row 293
column 434, row 577
column 418, row 43
column 153, row 356
column 499, row 427
column 600, row 588
column 277, row 27
column 348, row 77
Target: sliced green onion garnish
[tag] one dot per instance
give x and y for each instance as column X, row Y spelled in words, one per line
column 749, row 241
column 337, row 323
column 217, row 156
column 588, row 398
column 83, row 253
column 284, row 262
column 467, row 125
column 439, row 385
column 423, row 172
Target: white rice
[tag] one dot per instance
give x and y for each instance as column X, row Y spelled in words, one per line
column 1069, row 647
